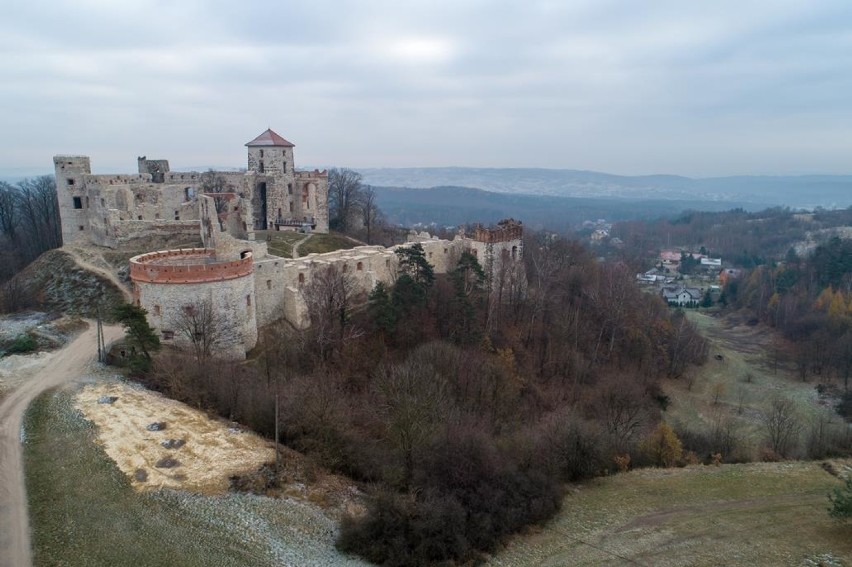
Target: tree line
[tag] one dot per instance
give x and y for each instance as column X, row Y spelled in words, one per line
column 29, row 226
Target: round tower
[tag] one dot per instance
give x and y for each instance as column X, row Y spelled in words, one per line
column 179, row 286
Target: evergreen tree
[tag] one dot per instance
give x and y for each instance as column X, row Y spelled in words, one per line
column 138, row 332
column 381, row 308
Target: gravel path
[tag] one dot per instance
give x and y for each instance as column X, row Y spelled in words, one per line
column 59, row 367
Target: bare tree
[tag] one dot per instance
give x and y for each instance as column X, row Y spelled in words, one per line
column 619, row 405
column 345, row 193
column 370, row 213
column 215, row 184
column 686, row 345
column 39, row 213
column 329, row 296
column 8, row 211
column 413, row 397
column 782, row 426
column 202, row 326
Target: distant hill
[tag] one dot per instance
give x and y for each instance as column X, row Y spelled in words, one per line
column 451, row 206
column 809, row 191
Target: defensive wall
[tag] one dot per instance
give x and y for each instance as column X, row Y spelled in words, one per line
column 252, row 289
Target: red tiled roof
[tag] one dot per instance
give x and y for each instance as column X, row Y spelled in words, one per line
column 270, row 138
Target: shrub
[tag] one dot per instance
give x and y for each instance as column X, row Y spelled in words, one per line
column 469, row 496
column 21, row 344
column 841, row 501
column 663, row 447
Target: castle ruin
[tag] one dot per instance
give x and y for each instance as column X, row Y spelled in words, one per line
column 110, row 209
column 246, row 286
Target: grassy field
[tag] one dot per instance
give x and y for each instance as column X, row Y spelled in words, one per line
column 321, row 243
column 281, row 243
column 752, row 514
column 83, row 510
column 737, row 383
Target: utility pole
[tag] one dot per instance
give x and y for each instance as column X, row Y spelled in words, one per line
column 100, row 334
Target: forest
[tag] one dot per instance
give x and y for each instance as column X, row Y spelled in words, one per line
column 29, row 225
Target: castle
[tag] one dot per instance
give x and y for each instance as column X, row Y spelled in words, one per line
column 110, row 209
column 247, row 287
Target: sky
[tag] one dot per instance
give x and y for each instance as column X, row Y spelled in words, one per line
column 697, row 88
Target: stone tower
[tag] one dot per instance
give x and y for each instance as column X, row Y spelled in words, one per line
column 72, row 195
column 270, row 159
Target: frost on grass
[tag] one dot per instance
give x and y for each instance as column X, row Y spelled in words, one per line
column 286, row 531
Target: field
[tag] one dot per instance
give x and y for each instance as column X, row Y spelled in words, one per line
column 84, row 511
column 750, row 514
column 736, row 384
column 209, row 454
column 280, row 243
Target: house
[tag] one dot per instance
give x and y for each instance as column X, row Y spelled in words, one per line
column 678, row 295
column 651, row 276
column 711, row 263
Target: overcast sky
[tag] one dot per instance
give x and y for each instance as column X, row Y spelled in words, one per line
column 694, row 88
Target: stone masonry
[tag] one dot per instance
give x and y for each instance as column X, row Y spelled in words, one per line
column 247, row 287
column 110, row 209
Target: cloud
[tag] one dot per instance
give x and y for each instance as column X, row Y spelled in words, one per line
column 682, row 87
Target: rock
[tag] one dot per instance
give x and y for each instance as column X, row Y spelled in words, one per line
column 141, row 475
column 107, row 399
column 156, row 426
column 167, row 463
column 173, row 443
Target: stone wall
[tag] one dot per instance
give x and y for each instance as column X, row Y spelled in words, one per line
column 166, row 283
column 94, row 206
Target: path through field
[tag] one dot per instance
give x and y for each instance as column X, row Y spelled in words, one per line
column 59, row 367
column 772, row 514
column 299, row 243
column 103, row 272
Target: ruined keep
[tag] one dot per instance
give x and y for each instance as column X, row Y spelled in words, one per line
column 110, row 209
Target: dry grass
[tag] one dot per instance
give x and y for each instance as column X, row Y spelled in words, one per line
column 745, row 380
column 754, row 514
column 84, row 512
column 212, row 452
column 322, row 243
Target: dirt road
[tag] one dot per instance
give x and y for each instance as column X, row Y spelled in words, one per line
column 60, row 367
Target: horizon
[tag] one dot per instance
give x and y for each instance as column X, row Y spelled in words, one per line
column 16, row 173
